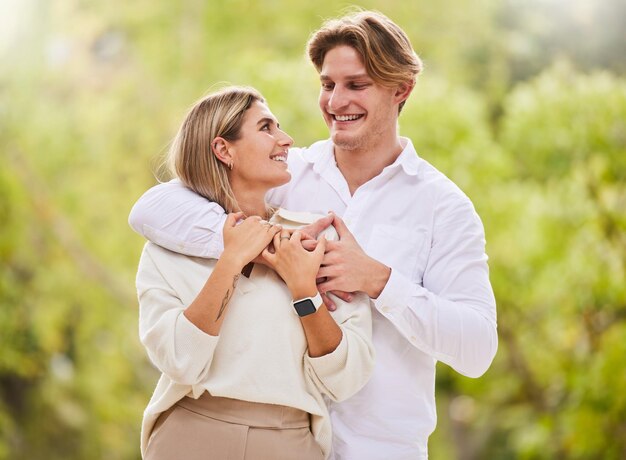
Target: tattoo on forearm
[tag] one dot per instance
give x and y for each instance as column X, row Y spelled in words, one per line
column 227, row 296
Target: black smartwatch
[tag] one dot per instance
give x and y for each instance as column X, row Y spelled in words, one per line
column 308, row 305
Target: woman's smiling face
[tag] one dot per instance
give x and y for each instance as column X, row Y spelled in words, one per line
column 260, row 153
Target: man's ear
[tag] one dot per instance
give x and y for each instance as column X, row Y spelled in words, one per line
column 403, row 91
column 219, row 147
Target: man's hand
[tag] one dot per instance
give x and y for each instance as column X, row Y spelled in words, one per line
column 346, row 267
column 312, row 231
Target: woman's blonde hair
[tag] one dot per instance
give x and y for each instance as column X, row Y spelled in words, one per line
column 385, row 49
column 190, row 157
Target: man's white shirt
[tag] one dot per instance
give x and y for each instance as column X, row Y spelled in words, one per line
column 438, row 304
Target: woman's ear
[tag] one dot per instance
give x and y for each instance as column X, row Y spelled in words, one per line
column 219, row 147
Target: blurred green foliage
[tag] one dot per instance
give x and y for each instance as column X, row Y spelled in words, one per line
column 523, row 104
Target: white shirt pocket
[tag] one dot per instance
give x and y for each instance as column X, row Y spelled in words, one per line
column 403, row 249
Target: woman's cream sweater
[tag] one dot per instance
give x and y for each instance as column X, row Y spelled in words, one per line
column 261, row 352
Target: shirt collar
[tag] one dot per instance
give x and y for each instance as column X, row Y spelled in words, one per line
column 321, row 155
column 408, row 158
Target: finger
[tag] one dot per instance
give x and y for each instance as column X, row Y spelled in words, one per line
column 306, row 236
column 274, row 230
column 321, row 247
column 296, row 236
column 327, row 272
column 285, row 235
column 330, row 285
column 232, row 219
column 309, row 245
column 330, row 305
column 343, row 295
column 276, row 241
column 318, row 226
column 332, row 245
column 342, row 229
column 268, row 256
column 331, row 258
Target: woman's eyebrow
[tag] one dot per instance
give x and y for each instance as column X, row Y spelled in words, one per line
column 266, row 120
column 270, row 120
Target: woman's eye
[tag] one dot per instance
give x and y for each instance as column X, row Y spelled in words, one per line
column 327, row 86
column 265, row 127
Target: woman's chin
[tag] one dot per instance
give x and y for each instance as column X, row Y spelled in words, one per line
column 284, row 179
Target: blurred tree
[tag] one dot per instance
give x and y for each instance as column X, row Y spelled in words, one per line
column 557, row 240
column 92, row 92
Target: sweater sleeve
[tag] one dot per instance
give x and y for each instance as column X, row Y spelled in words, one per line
column 347, row 369
column 175, row 345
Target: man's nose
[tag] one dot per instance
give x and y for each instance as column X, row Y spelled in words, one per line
column 338, row 99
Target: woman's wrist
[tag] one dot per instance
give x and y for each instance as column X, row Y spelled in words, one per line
column 231, row 260
column 301, row 291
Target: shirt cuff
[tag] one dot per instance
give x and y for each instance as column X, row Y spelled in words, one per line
column 396, row 295
column 331, row 363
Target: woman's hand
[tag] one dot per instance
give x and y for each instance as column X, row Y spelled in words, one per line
column 295, row 265
column 245, row 241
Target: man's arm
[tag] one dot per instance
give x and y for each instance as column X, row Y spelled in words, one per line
column 452, row 316
column 172, row 216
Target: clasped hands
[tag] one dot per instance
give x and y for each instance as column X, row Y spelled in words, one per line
column 340, row 267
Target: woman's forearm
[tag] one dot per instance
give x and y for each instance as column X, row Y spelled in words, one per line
column 323, row 335
column 208, row 309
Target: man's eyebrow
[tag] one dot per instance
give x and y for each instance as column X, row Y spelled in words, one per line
column 356, row 76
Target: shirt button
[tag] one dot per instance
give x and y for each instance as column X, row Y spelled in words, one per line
column 413, row 338
column 386, row 309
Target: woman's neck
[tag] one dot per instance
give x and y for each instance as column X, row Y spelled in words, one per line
column 251, row 203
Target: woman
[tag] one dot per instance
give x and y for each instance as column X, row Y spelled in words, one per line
column 247, row 353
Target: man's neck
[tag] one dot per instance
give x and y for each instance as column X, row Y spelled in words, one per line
column 362, row 165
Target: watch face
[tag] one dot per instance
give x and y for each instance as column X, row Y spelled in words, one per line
column 304, row 307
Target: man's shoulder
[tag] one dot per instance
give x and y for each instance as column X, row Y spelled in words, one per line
column 438, row 180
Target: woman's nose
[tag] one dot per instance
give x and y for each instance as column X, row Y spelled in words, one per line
column 285, row 139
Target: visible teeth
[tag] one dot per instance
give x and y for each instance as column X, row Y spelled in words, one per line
column 346, row 117
column 280, row 158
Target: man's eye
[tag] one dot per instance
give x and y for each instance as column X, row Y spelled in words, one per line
column 265, row 127
column 327, row 86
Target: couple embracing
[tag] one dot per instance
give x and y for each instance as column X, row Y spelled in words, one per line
column 296, row 301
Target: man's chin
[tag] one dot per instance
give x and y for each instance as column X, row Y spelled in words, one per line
column 345, row 141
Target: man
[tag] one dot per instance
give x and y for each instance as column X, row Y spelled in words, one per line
column 409, row 238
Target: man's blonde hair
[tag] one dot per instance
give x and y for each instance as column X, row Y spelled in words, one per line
column 383, row 46
column 190, row 157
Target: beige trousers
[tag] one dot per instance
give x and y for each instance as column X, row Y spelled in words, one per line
column 230, row 429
